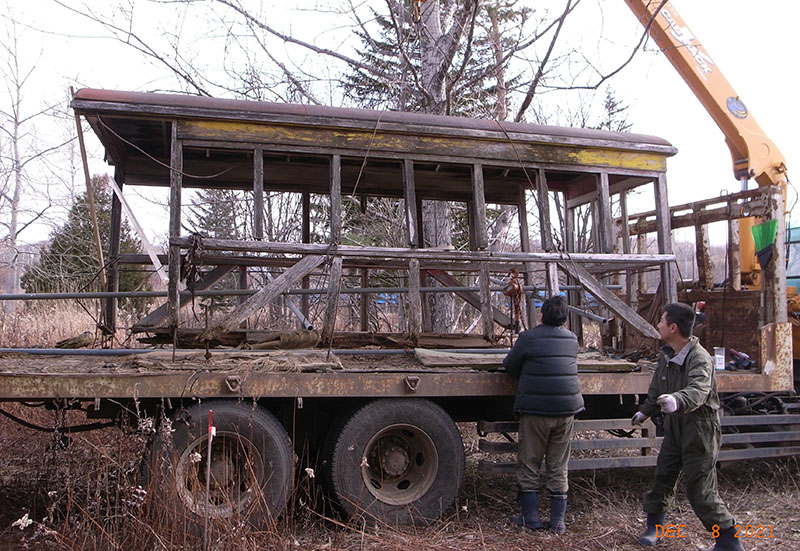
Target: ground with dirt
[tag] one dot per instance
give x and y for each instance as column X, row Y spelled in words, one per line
column 81, row 493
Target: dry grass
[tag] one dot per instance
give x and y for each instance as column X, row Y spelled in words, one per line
column 42, row 324
column 85, row 497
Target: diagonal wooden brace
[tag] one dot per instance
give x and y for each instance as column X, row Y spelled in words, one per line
column 273, row 290
column 470, row 297
column 160, row 314
column 609, row 299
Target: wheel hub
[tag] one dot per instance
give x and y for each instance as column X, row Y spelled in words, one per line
column 223, row 474
column 394, row 460
column 401, row 464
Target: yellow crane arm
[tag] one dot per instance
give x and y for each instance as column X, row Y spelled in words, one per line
column 753, row 154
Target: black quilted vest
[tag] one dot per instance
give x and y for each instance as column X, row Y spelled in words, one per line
column 544, row 361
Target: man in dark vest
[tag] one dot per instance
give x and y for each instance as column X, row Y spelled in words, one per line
column 684, row 387
column 544, row 359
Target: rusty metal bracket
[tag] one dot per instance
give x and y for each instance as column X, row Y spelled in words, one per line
column 412, row 382
column 234, row 383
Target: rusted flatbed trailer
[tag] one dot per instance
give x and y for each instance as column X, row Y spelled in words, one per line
column 382, row 423
column 244, row 375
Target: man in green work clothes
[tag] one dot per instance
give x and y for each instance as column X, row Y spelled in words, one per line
column 685, row 389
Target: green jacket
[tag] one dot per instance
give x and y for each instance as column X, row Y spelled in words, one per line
column 689, row 376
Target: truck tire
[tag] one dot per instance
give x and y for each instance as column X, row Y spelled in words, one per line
column 251, row 466
column 398, row 461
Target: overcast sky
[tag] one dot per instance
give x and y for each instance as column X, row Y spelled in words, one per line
column 753, row 43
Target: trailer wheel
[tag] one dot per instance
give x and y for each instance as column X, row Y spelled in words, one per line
column 398, row 461
column 251, row 465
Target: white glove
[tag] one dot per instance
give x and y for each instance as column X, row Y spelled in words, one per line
column 668, row 403
column 638, row 418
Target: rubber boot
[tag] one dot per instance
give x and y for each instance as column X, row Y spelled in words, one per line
column 727, row 541
column 651, row 535
column 558, row 509
column 529, row 506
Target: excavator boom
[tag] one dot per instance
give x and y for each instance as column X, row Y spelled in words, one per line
column 754, row 155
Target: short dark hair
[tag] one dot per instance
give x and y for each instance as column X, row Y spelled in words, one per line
column 681, row 315
column 554, row 311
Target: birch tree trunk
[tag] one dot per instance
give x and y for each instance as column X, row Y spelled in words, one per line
column 437, row 225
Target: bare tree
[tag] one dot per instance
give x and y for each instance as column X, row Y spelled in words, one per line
column 20, row 150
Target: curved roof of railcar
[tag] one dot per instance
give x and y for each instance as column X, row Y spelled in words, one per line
column 197, row 107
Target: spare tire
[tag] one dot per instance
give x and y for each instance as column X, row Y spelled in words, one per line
column 396, row 460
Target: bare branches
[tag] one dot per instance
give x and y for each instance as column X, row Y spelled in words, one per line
column 127, row 36
column 532, row 88
column 636, row 48
column 237, row 7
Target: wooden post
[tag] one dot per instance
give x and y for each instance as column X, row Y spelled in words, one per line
column 427, row 323
column 625, row 234
column 412, row 212
column 479, row 208
column 552, row 279
column 336, row 198
column 604, row 218
column 544, row 211
column 414, row 316
column 364, row 300
column 175, row 185
column 641, row 248
column 668, row 276
column 473, row 241
column 734, row 262
column 774, row 275
column 486, row 302
column 242, row 286
column 573, row 297
column 258, row 193
column 525, row 245
column 112, row 272
column 332, row 302
column 306, row 237
column 705, row 273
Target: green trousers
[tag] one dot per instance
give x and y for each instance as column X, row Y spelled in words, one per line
column 691, row 444
column 545, row 438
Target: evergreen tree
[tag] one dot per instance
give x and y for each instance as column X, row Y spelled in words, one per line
column 473, row 79
column 220, row 214
column 69, row 262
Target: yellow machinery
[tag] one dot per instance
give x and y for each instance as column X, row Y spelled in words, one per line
column 753, row 154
